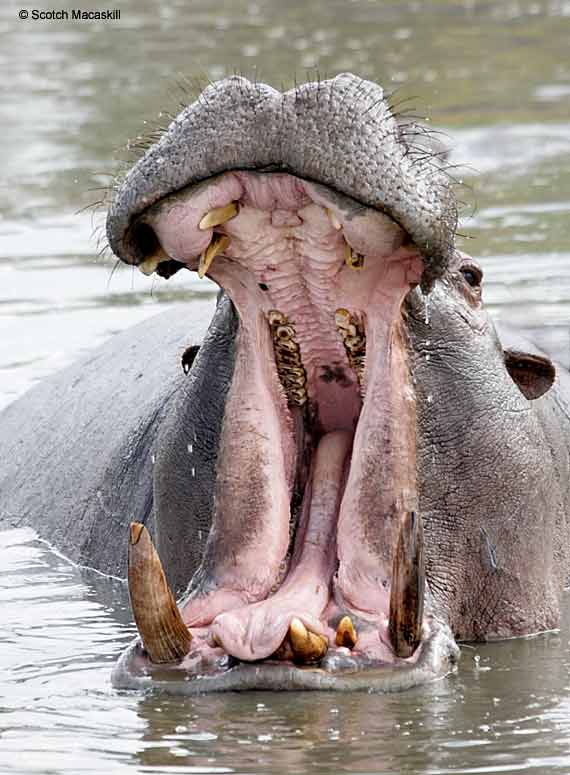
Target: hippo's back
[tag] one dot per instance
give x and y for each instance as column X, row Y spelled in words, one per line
column 82, row 440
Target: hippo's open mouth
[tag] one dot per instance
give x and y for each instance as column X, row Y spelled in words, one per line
column 313, row 568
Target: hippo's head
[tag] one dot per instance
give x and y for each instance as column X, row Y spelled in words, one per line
column 348, row 479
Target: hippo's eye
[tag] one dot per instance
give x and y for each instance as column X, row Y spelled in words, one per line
column 473, row 275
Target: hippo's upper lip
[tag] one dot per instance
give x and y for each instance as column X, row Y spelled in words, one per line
column 339, row 132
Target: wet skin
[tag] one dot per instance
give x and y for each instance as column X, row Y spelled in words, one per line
column 353, row 470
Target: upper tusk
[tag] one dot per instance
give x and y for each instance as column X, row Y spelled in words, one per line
column 217, row 245
column 148, row 266
column 218, row 215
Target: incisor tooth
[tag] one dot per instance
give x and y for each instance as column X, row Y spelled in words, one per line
column 218, row 215
column 216, row 246
column 345, row 633
column 306, row 646
column 164, row 635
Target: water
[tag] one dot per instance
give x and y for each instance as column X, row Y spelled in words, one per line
column 496, row 77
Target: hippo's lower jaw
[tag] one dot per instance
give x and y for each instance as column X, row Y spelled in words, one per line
column 315, row 556
column 437, row 658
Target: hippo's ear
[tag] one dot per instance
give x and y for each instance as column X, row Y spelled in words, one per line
column 533, row 374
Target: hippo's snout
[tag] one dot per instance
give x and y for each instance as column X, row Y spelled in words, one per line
column 339, row 133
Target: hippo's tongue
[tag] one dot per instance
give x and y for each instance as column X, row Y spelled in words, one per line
column 256, row 631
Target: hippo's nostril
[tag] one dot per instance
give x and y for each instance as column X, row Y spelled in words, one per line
column 142, row 242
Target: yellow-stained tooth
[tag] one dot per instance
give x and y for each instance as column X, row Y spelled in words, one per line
column 148, row 266
column 342, row 318
column 306, row 646
column 164, row 634
column 345, row 633
column 218, row 215
column 351, row 258
column 336, row 224
column 216, row 246
column 276, row 318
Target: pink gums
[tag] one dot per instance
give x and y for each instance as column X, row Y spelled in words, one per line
column 287, row 252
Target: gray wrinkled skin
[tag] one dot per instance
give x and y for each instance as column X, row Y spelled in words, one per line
column 339, row 133
column 493, row 471
column 91, row 449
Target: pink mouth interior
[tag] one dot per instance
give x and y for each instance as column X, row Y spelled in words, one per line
column 308, row 497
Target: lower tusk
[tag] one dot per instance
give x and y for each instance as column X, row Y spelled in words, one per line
column 216, row 246
column 148, row 266
column 345, row 633
column 218, row 215
column 164, row 635
column 307, row 647
column 408, row 587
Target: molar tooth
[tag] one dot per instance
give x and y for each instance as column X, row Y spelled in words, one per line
column 218, row 215
column 408, row 587
column 285, row 332
column 276, row 318
column 353, row 342
column 307, row 647
column 297, row 396
column 336, row 224
column 345, row 633
column 288, row 358
column 216, row 246
column 288, row 344
column 297, row 380
column 164, row 635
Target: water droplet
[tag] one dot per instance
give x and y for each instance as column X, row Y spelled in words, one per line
column 426, row 310
column 190, row 448
column 152, row 459
column 193, row 472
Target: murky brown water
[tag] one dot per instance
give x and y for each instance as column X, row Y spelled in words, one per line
column 496, row 76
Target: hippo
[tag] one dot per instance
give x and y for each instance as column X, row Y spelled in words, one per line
column 352, row 469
